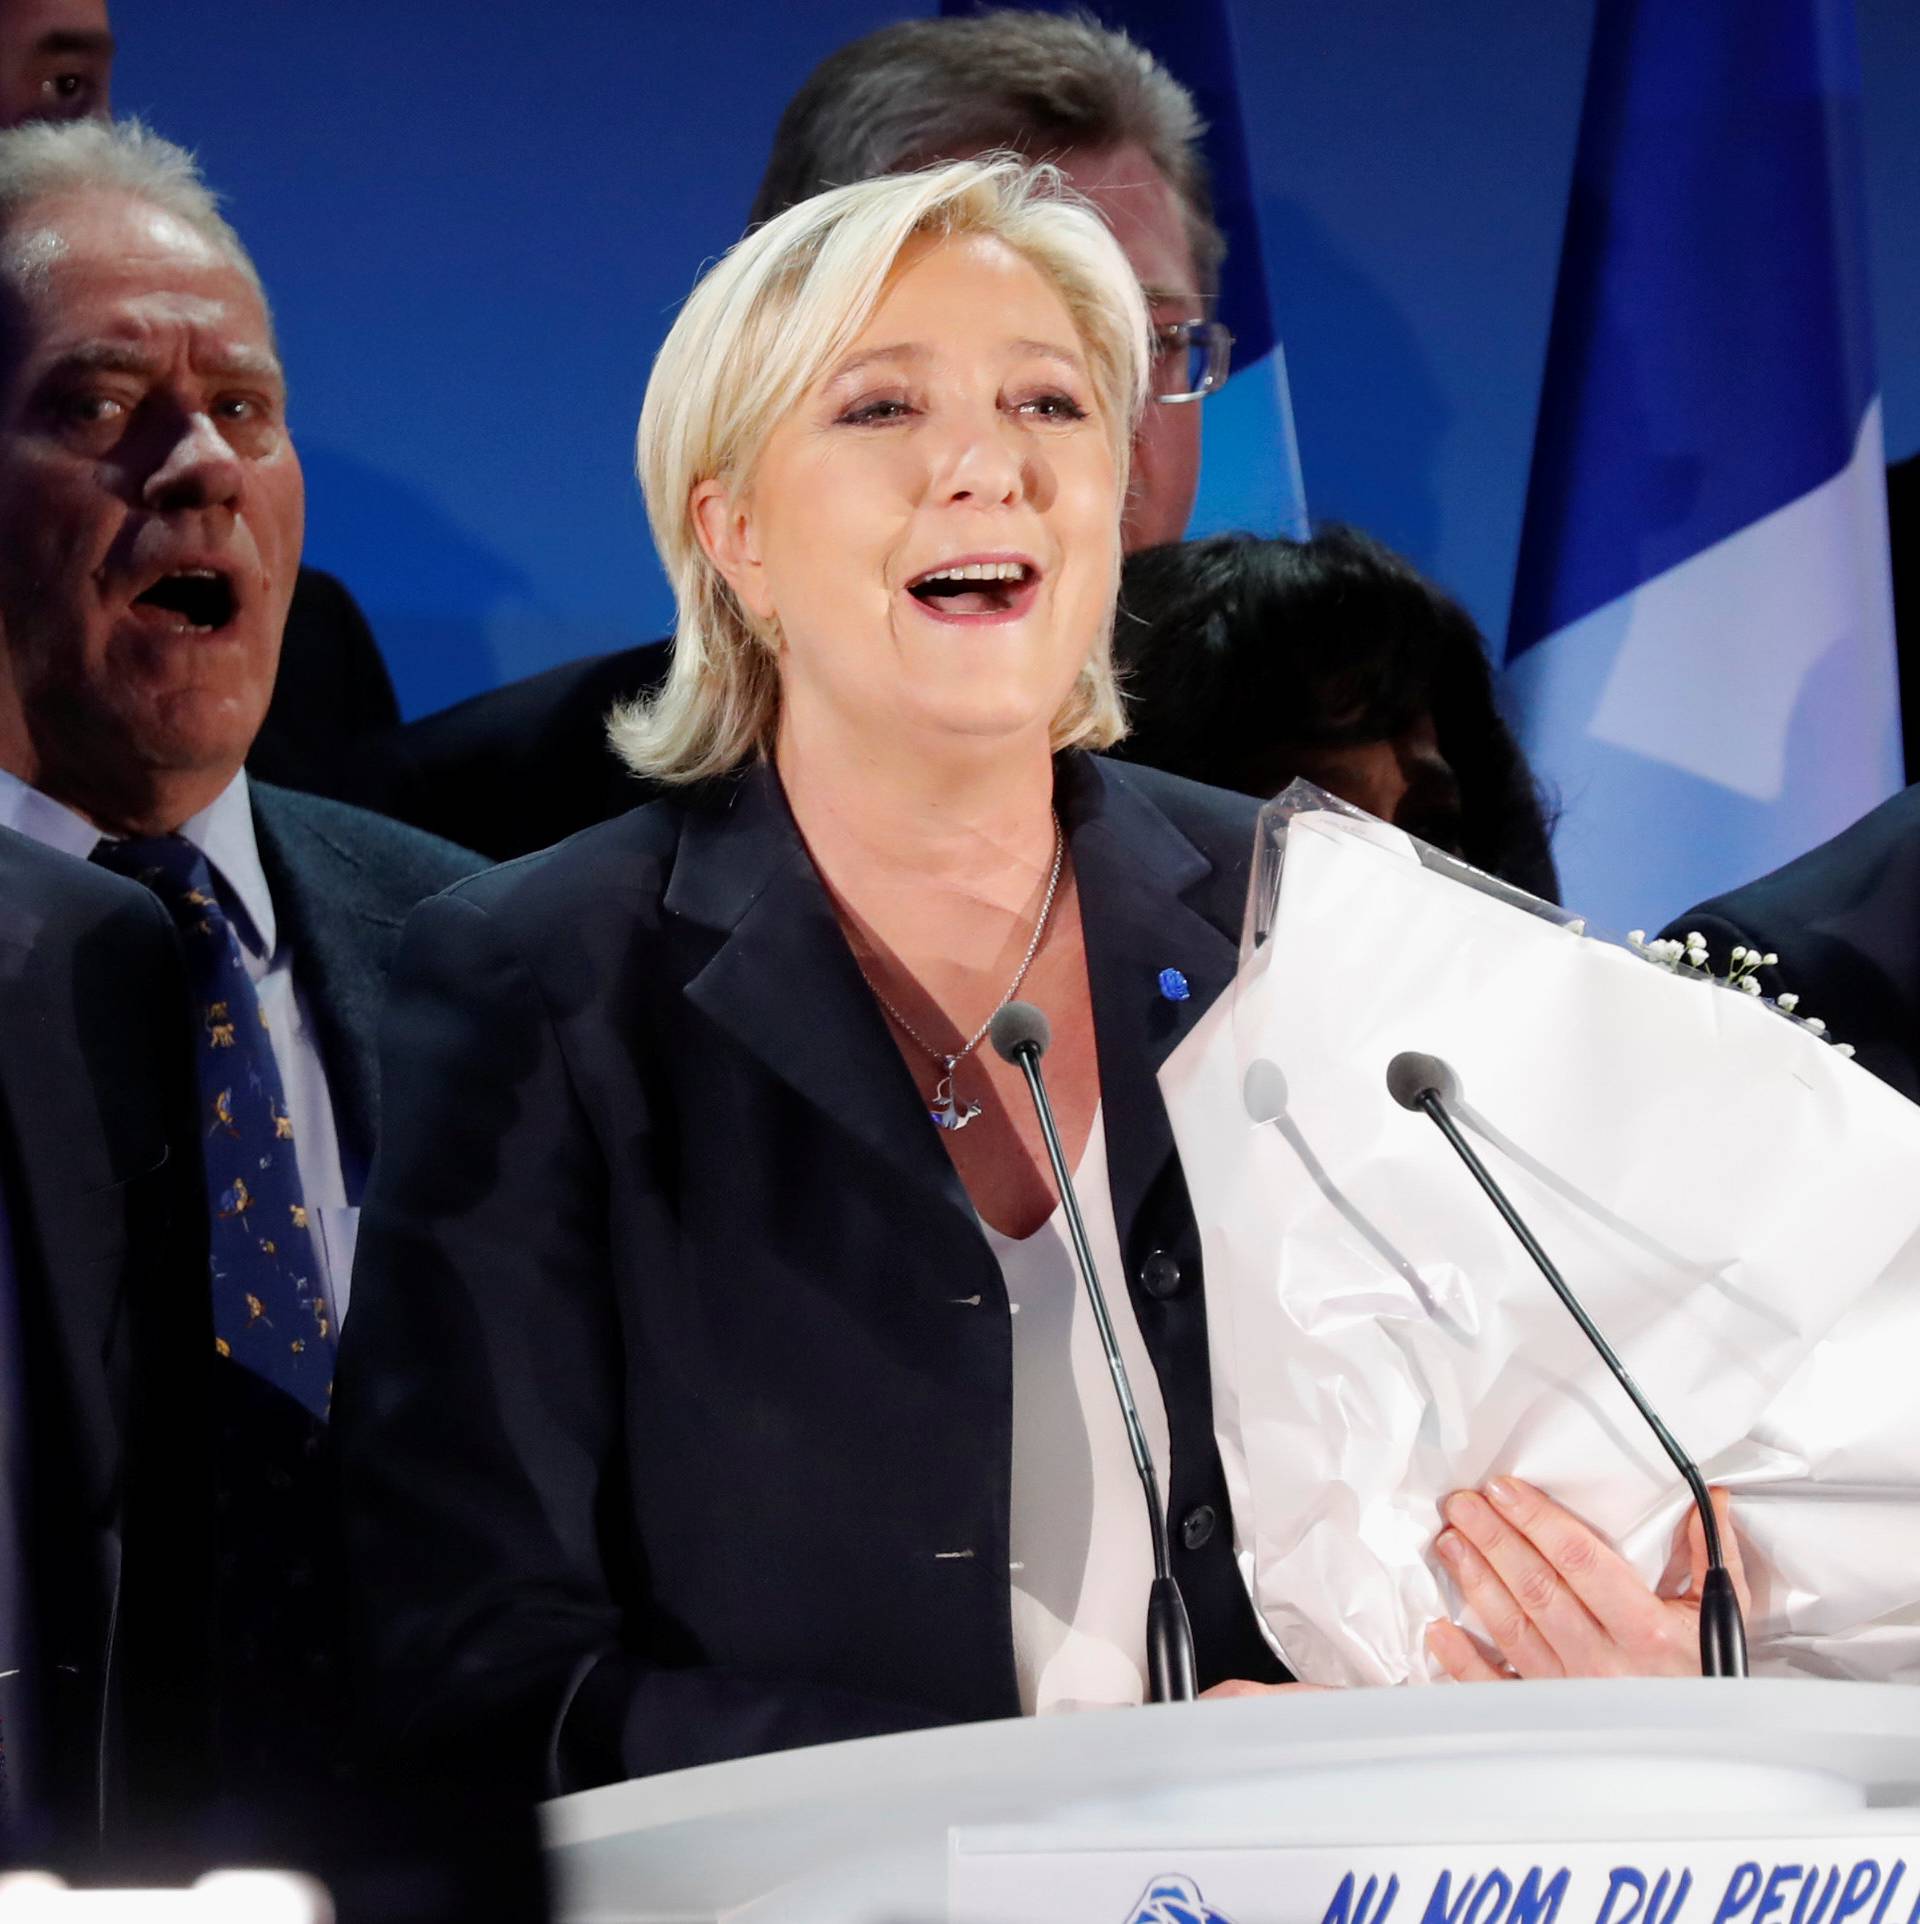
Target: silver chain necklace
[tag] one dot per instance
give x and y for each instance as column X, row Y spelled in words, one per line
column 945, row 1109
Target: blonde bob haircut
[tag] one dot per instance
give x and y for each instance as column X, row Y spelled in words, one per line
column 755, row 335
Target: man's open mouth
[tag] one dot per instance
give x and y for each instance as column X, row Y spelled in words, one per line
column 974, row 588
column 191, row 600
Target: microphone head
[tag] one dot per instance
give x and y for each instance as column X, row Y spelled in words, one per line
column 1264, row 1090
column 1411, row 1075
column 1016, row 1028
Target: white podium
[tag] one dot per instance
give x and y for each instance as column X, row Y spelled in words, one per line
column 1686, row 1802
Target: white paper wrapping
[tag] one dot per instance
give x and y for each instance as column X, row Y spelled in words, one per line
column 1737, row 1205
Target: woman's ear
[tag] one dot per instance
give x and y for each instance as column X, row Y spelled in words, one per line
column 724, row 523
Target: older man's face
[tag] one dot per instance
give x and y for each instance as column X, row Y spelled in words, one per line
column 151, row 509
column 56, row 60
column 1144, row 213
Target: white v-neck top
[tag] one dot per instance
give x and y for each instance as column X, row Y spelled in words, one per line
column 1081, row 1558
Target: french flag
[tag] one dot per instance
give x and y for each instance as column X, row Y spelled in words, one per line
column 1250, row 474
column 1701, row 653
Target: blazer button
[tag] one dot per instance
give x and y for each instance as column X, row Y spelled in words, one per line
column 1160, row 1275
column 1196, row 1527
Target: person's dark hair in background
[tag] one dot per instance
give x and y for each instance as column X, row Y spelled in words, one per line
column 1250, row 661
column 1040, row 84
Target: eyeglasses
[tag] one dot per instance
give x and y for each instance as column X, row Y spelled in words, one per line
column 1190, row 358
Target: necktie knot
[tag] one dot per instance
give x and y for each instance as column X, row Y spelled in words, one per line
column 170, row 865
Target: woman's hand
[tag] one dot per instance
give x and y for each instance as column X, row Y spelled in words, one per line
column 1557, row 1601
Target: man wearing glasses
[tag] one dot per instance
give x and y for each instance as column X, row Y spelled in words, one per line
column 528, row 764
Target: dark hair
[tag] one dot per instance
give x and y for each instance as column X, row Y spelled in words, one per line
column 1237, row 650
column 1033, row 84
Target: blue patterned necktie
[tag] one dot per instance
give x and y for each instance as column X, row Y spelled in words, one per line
column 270, row 1312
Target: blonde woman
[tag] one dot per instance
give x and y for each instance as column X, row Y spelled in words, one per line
column 718, row 1379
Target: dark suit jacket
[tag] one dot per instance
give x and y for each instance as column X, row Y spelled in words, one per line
column 343, row 881
column 524, row 766
column 675, row 1408
column 99, row 1163
column 1845, row 922
column 333, row 711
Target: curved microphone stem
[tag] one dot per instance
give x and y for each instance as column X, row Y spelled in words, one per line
column 1723, row 1637
column 1170, row 1675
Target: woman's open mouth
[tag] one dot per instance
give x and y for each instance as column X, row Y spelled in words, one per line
column 977, row 589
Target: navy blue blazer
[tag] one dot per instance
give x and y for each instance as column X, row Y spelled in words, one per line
column 518, row 768
column 675, row 1408
column 100, row 1171
column 1844, row 920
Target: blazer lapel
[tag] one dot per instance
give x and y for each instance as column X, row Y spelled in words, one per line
column 784, row 983
column 1141, row 884
column 338, row 943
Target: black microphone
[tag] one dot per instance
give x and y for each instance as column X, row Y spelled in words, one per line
column 1424, row 1082
column 1020, row 1035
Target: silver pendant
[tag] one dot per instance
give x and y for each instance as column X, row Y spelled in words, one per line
column 947, row 1111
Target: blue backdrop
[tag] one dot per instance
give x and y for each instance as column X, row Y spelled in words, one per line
column 475, row 220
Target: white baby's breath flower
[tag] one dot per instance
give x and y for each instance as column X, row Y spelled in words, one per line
column 1742, row 973
column 1843, row 1049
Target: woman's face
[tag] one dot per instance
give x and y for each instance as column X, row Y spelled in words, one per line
column 1404, row 779
column 936, row 526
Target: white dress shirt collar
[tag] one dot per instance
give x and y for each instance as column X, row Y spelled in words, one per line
column 41, row 819
column 222, row 832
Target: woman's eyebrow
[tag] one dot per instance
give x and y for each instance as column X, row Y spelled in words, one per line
column 914, row 351
column 908, row 351
column 1053, row 351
